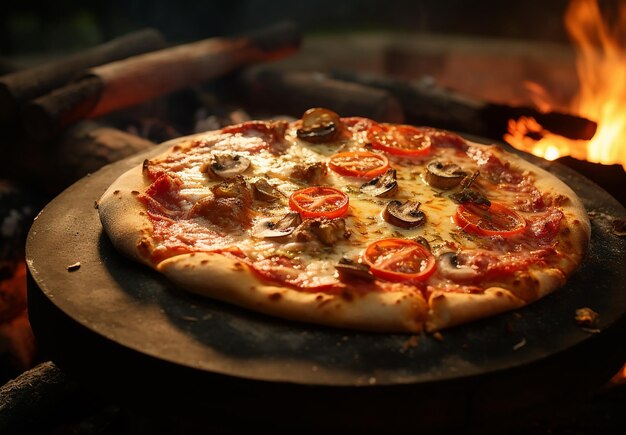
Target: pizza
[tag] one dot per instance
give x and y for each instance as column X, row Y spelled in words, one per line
column 349, row 223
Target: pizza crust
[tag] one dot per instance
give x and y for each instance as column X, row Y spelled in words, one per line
column 230, row 280
column 449, row 309
column 123, row 216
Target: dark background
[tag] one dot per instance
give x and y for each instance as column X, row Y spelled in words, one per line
column 66, row 25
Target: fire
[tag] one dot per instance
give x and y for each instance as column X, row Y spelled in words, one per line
column 601, row 68
column 619, row 378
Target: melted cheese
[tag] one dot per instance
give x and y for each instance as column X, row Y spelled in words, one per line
column 364, row 219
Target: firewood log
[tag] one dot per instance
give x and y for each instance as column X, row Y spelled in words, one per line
column 80, row 150
column 292, row 93
column 426, row 103
column 125, row 83
column 37, row 400
column 19, row 87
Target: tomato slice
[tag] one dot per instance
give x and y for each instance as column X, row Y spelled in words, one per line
column 362, row 164
column 403, row 140
column 319, row 201
column 399, row 260
column 497, row 220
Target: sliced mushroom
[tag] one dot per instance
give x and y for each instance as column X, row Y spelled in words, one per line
column 405, row 215
column 449, row 266
column 229, row 166
column 471, row 196
column 320, row 126
column 283, row 227
column 444, row 175
column 381, row 186
column 264, row 191
column 349, row 269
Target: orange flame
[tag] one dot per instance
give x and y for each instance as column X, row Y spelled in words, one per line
column 619, row 378
column 601, row 67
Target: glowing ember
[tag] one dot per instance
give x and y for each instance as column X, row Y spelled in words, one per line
column 601, row 67
column 619, row 378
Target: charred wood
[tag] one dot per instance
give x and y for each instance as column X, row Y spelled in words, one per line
column 612, row 178
column 88, row 146
column 426, row 103
column 77, row 152
column 37, row 400
column 125, row 83
column 19, row 87
column 292, row 93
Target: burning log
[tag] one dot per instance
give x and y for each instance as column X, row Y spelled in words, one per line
column 19, row 87
column 125, row 83
column 292, row 93
column 428, row 104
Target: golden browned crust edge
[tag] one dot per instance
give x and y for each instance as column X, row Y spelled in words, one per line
column 123, row 215
column 447, row 309
column 451, row 309
column 227, row 279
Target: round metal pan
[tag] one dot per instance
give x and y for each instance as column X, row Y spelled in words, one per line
column 124, row 328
